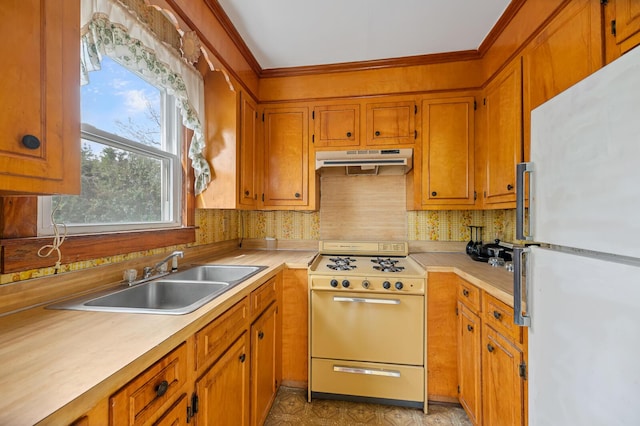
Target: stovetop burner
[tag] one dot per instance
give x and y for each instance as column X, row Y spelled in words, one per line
column 342, row 263
column 386, row 265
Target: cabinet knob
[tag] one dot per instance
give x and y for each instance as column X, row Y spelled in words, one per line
column 490, row 348
column 497, row 315
column 246, row 193
column 509, row 187
column 297, row 194
column 377, row 133
column 434, row 193
column 242, row 357
column 469, row 327
column 30, row 142
column 260, row 335
column 465, row 292
column 348, row 134
column 162, row 388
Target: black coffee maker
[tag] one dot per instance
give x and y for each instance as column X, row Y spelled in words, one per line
column 482, row 252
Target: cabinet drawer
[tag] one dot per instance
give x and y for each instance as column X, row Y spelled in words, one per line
column 500, row 316
column 262, row 297
column 213, row 339
column 140, row 401
column 469, row 295
column 176, row 415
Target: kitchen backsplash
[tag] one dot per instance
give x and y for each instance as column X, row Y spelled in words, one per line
column 221, row 225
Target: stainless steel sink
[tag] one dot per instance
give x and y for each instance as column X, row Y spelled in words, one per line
column 225, row 273
column 177, row 294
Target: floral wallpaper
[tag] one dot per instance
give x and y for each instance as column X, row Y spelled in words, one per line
column 221, row 225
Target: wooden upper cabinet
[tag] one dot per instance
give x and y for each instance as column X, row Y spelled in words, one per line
column 40, row 86
column 503, row 135
column 391, row 123
column 627, row 24
column 447, row 161
column 336, row 125
column 286, row 158
column 248, row 170
column 568, row 50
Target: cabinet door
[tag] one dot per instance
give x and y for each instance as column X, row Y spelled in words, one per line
column 264, row 383
column 567, row 51
column 447, row 151
column 627, row 24
column 469, row 365
column 391, row 123
column 503, row 104
column 248, row 196
column 40, row 96
column 503, row 388
column 286, row 152
column 336, row 125
column 223, row 391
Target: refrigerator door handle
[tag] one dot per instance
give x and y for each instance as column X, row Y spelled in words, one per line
column 518, row 317
column 521, row 170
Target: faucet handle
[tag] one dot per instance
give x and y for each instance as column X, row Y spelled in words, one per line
column 146, row 271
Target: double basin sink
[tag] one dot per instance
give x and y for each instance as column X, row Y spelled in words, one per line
column 175, row 294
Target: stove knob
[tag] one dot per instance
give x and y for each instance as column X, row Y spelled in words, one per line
column 399, row 285
column 365, row 284
column 386, row 285
column 345, row 283
column 334, row 283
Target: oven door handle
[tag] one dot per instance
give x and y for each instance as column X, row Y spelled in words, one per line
column 366, row 300
column 367, row 371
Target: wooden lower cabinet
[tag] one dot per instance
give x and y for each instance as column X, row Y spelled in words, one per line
column 491, row 360
column 469, row 365
column 223, row 391
column 264, row 355
column 502, row 381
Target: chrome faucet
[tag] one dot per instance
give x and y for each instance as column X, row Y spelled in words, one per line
column 174, row 260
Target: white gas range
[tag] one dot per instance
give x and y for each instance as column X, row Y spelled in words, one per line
column 367, row 323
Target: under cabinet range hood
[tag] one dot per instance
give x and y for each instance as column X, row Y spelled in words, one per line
column 367, row 161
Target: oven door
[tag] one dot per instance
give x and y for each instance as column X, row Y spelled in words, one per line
column 368, row 327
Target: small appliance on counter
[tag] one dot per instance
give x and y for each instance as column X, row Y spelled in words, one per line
column 483, row 252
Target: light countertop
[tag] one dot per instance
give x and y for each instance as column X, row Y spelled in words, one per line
column 50, row 359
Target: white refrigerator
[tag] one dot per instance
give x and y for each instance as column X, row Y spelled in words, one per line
column 579, row 291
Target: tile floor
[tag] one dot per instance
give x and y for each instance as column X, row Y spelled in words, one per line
column 291, row 408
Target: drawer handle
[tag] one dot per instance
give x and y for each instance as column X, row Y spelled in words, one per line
column 162, row 388
column 242, row 357
column 30, row 142
column 246, row 193
column 260, row 335
column 497, row 315
column 366, row 300
column 366, row 371
column 465, row 292
column 469, row 327
column 490, row 348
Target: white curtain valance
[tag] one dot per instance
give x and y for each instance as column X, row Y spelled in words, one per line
column 109, row 29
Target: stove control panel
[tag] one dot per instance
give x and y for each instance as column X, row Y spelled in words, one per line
column 373, row 284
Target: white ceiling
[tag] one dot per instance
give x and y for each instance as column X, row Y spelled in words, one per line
column 291, row 33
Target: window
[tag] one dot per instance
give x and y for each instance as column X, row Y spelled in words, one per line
column 131, row 168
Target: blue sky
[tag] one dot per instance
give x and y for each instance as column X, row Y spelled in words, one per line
column 114, row 93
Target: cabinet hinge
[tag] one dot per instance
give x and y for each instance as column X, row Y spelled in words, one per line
column 475, row 195
column 613, row 27
column 193, row 408
column 415, row 134
column 263, row 116
column 485, row 194
column 313, row 138
column 415, row 109
column 263, row 197
column 523, row 370
column 458, row 388
column 256, row 115
column 313, row 115
column 604, row 2
column 484, row 101
column 475, row 105
column 456, row 311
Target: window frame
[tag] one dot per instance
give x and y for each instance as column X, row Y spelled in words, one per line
column 172, row 139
